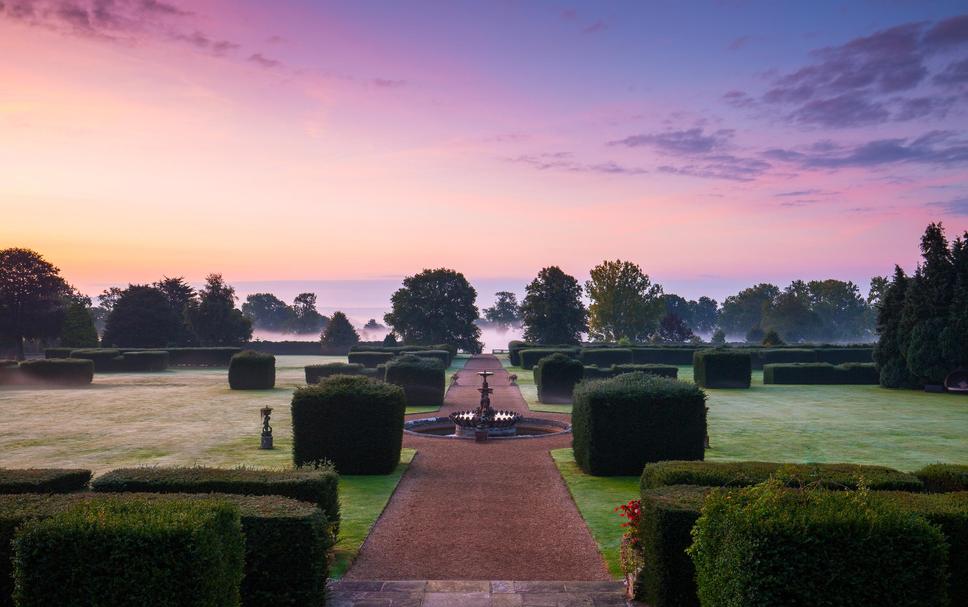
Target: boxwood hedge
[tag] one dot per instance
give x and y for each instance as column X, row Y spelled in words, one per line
column 314, row 373
column 251, row 370
column 145, row 361
column 442, row 356
column 839, row 356
column 620, row 424
column 57, row 371
column 356, row 423
column 943, row 478
column 820, row 373
column 43, row 480
column 58, row 352
column 201, row 357
column 556, row 376
column 106, row 360
column 605, row 357
column 369, row 359
column 529, row 357
column 422, row 379
column 722, row 368
column 663, row 355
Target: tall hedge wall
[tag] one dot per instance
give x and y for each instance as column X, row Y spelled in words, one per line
column 251, row 370
column 606, row 357
column 314, row 373
column 662, row 356
column 556, row 376
column 422, row 379
column 722, row 368
column 821, row 373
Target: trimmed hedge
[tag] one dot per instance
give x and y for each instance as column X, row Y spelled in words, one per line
column 123, row 552
column 722, row 368
column 145, row 361
column 60, row 371
column 556, row 376
column 369, row 359
column 620, row 424
column 769, row 356
column 821, row 373
column 251, row 370
column 314, row 373
column 58, row 352
column 320, row 486
column 663, row 356
column 944, row 478
column 422, row 379
column 443, row 356
column 652, row 369
column 763, row 547
column 43, row 480
column 606, row 357
column 839, row 356
column 201, row 357
column 286, row 542
column 106, row 360
column 529, row 357
column 744, row 474
column 354, row 422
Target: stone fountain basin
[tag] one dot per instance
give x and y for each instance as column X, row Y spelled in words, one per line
column 528, row 427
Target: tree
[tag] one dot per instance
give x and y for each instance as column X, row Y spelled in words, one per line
column 339, row 331
column 954, row 337
column 744, row 311
column 390, row 340
column 306, row 318
column 674, row 329
column 888, row 355
column 141, row 317
column 373, row 325
column 705, row 314
column 216, row 320
column 718, row 338
column 840, row 308
column 505, row 310
column 436, row 307
column 268, row 312
column 552, row 310
column 790, row 314
column 181, row 299
column 772, row 338
column 106, row 301
column 624, row 302
column 78, row 330
column 33, row 297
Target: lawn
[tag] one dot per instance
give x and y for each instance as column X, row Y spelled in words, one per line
column 904, row 429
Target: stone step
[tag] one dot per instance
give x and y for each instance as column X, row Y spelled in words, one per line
column 474, row 593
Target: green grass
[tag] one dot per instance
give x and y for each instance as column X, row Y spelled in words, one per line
column 362, row 500
column 903, row 429
column 596, row 498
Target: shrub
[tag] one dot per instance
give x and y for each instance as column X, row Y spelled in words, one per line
column 106, row 360
column 652, row 369
column 314, row 373
column 556, row 376
column 766, row 546
column 743, row 474
column 620, row 424
column 442, row 356
column 10, row 373
column 369, row 359
column 839, row 356
column 43, row 480
column 530, row 357
column 61, row 371
column 514, row 349
column 663, row 356
column 202, row 357
column 767, row 356
column 354, row 422
column 722, row 368
column 422, row 379
column 320, row 487
column 251, row 370
column 58, row 352
column 606, row 357
column 173, row 553
column 820, row 373
column 145, row 361
column 772, row 338
column 285, row 542
column 943, row 478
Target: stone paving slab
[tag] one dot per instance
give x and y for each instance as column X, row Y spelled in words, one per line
column 475, row 593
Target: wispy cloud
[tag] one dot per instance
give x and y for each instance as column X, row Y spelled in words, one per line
column 957, row 206
column 263, row 61
column 939, row 148
column 564, row 161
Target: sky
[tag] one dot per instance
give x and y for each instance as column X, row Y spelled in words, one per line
column 716, row 144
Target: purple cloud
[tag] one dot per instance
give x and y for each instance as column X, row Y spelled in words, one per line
column 724, row 166
column 958, row 206
column 563, row 161
column 263, row 61
column 939, row 148
column 680, row 142
column 594, row 28
column 739, row 43
column 387, row 83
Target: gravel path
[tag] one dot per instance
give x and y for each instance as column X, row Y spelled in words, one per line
column 481, row 511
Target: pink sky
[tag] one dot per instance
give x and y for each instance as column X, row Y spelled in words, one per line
column 304, row 140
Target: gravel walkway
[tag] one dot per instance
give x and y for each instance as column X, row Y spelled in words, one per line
column 481, row 511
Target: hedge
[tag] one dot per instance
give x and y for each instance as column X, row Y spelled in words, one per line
column 768, row 356
column 763, row 547
column 944, row 478
column 556, row 376
column 320, row 486
column 652, row 369
column 620, row 424
column 60, row 371
column 820, row 373
column 422, row 379
column 721, row 368
column 251, row 370
column 286, row 542
column 125, row 552
column 743, row 474
column 663, row 356
column 201, row 357
column 443, row 356
column 145, row 361
column 839, row 356
column 106, row 360
column 58, row 352
column 354, row 422
column 43, row 480
column 529, row 357
column 369, row 359
column 314, row 373
column 606, row 357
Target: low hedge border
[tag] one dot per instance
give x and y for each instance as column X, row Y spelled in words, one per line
column 370, row 360
column 722, row 368
column 52, row 371
column 314, row 373
column 944, row 478
column 43, row 480
column 821, row 374
column 529, row 357
column 605, row 357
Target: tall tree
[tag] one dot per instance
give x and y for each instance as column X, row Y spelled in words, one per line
column 436, row 307
column 705, row 314
column 840, row 308
column 744, row 311
column 624, row 302
column 673, row 329
column 954, row 337
column 33, row 297
column 182, row 300
column 552, row 310
column 339, row 331
column 888, row 355
column 505, row 310
column 141, row 317
column 306, row 318
column 78, row 330
column 216, row 320
column 790, row 314
column 268, row 312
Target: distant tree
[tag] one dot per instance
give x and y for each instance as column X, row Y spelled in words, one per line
column 841, row 309
column 552, row 310
column 879, row 286
column 78, row 330
column 718, row 338
column 216, row 320
column 182, row 299
column 390, row 340
column 339, row 331
column 755, row 335
column 954, row 336
column 705, row 314
column 141, row 317
column 436, row 307
column 101, row 311
column 772, row 338
column 673, row 329
column 790, row 314
column 373, row 325
column 33, row 297
column 505, row 310
column 306, row 318
column 743, row 311
column 268, row 312
column 624, row 302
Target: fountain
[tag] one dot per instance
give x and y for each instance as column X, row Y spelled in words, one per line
column 485, row 421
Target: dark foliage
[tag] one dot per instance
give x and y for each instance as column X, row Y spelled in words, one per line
column 606, row 357
column 33, row 298
column 530, row 357
column 556, row 376
column 663, row 356
column 673, row 329
column 314, row 373
column 422, row 379
column 43, row 480
column 625, row 303
column 78, row 330
column 369, row 359
column 57, row 371
column 142, row 317
column 721, row 368
column 436, row 306
column 216, row 320
column 339, row 332
column 552, row 310
column 944, row 478
column 251, row 370
column 820, row 373
column 145, row 361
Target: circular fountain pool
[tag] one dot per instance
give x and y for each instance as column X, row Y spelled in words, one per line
column 528, row 427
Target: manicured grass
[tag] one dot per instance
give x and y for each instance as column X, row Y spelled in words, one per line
column 903, row 429
column 596, row 498
column 362, row 500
